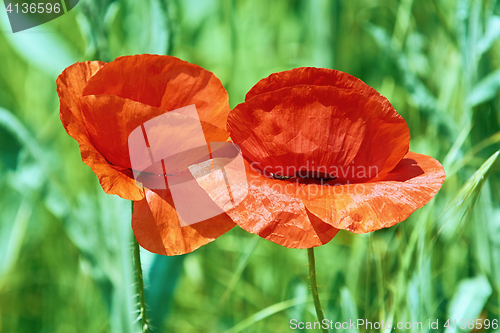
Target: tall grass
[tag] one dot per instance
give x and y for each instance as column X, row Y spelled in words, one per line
column 65, row 250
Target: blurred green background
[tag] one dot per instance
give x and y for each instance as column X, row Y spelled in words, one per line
column 65, row 246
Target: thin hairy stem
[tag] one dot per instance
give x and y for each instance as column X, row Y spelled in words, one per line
column 314, row 287
column 140, row 284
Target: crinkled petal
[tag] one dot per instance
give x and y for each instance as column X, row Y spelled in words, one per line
column 271, row 209
column 315, row 77
column 163, row 82
column 99, row 111
column 113, row 179
column 365, row 207
column 70, row 84
column 343, row 132
column 157, row 227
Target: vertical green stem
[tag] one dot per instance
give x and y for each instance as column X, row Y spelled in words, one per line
column 140, row 284
column 314, row 286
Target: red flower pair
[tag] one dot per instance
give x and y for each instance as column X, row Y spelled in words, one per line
column 323, row 151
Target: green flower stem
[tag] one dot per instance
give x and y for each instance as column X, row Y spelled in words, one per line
column 140, row 283
column 314, row 286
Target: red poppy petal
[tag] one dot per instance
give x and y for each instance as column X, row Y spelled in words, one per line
column 112, row 141
column 70, row 85
column 365, row 207
column 310, row 76
column 157, row 228
column 124, row 115
column 271, row 211
column 163, row 82
column 113, row 180
column 337, row 131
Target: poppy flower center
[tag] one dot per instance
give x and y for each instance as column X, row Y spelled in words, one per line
column 306, row 174
column 314, row 174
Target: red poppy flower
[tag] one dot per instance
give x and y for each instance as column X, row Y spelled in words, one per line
column 324, row 151
column 101, row 104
